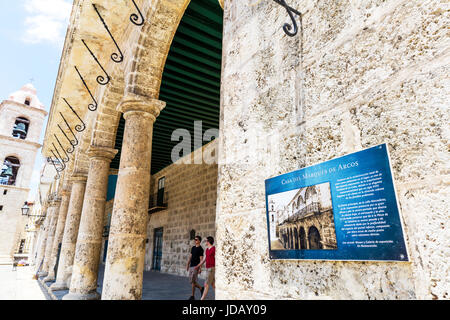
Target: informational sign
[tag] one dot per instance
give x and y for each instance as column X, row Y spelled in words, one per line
column 342, row 209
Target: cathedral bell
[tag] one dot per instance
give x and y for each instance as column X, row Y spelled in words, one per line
column 19, row 130
column 7, row 171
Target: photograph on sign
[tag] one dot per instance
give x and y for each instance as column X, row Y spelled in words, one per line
column 302, row 219
column 341, row 209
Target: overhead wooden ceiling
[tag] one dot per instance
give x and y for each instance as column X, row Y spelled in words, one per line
column 190, row 83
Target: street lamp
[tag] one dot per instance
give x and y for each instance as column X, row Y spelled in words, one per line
column 25, row 209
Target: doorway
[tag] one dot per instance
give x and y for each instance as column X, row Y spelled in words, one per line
column 157, row 249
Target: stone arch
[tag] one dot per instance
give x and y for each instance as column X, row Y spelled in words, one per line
column 291, row 242
column 285, row 240
column 21, row 127
column 143, row 72
column 300, row 200
column 302, row 238
column 107, row 118
column 296, row 246
column 314, row 239
column 310, row 194
column 10, row 170
column 147, row 66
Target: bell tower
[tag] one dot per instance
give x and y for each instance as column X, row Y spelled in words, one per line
column 21, row 119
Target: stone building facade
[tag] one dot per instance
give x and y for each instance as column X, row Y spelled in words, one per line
column 307, row 221
column 21, row 119
column 191, row 210
column 355, row 75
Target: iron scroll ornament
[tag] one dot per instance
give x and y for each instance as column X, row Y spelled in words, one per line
column 50, row 160
column 67, row 158
column 100, row 79
column 91, row 106
column 135, row 19
column 59, row 157
column 116, row 57
column 73, row 143
column 78, row 127
column 287, row 27
column 58, row 161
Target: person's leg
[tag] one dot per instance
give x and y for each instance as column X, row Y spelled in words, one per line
column 192, row 281
column 193, row 289
column 205, row 293
column 198, row 285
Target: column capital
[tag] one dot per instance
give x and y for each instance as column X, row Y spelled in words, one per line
column 65, row 193
column 55, row 203
column 135, row 103
column 101, row 152
column 75, row 178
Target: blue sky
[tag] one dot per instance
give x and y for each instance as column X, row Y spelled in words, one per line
column 32, row 37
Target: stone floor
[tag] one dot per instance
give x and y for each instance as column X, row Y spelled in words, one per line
column 19, row 284
column 157, row 286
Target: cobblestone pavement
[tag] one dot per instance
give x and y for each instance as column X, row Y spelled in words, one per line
column 19, row 285
column 156, row 286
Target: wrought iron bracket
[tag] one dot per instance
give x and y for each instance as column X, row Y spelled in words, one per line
column 50, row 160
column 135, row 19
column 73, row 143
column 116, row 57
column 91, row 106
column 100, row 79
column 287, row 27
column 78, row 127
column 66, row 159
column 58, row 161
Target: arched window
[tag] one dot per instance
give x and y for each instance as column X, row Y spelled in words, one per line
column 296, row 239
column 9, row 171
column 302, row 236
column 314, row 239
column 21, row 128
column 27, row 101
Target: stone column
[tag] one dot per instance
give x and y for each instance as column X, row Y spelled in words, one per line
column 40, row 249
column 62, row 214
column 70, row 234
column 83, row 284
column 53, row 214
column 126, row 246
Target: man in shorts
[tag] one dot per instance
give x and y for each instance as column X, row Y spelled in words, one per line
column 194, row 259
column 210, row 259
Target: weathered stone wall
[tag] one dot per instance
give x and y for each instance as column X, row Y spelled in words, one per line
column 192, row 194
column 11, row 110
column 358, row 74
column 11, row 220
column 12, row 224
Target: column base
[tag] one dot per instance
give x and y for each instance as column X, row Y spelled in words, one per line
column 42, row 274
column 59, row 286
column 78, row 296
column 49, row 278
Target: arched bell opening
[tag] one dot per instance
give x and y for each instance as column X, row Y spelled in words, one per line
column 20, row 130
column 9, row 171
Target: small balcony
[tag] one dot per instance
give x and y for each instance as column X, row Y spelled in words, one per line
column 158, row 202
